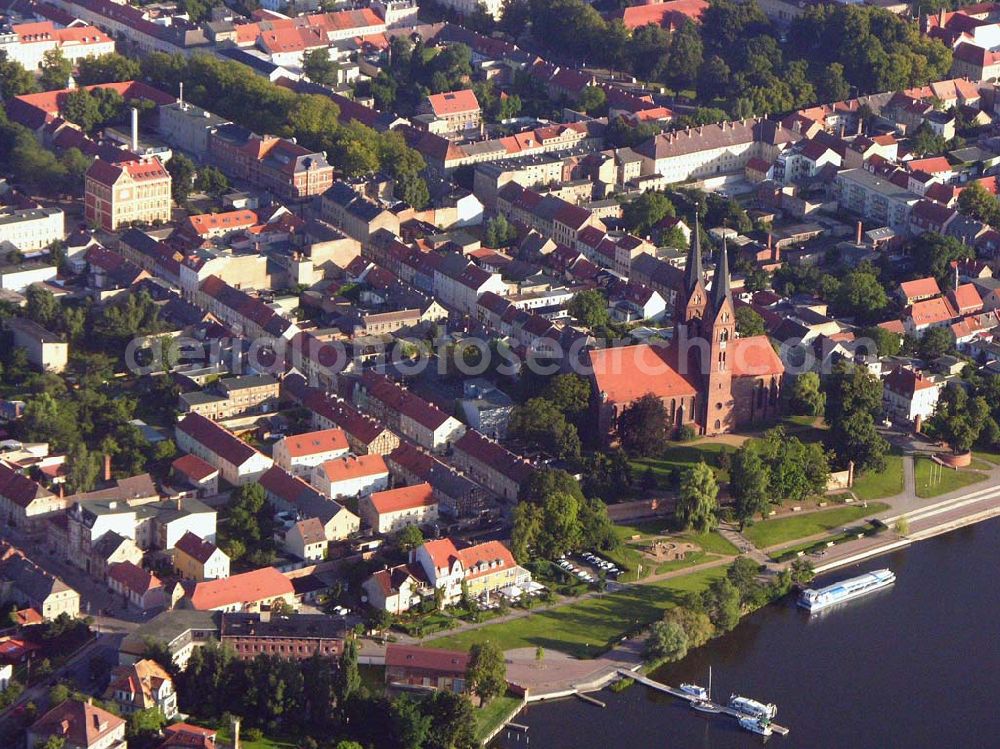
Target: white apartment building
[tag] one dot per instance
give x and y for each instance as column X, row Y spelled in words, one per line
column 299, row 454
column 33, row 229
column 393, row 510
column 351, row 476
column 875, row 198
column 27, row 43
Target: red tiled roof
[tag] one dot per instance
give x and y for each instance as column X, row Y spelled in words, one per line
column 245, row 588
column 218, row 439
column 453, row 102
column 626, row 373
column 354, row 466
column 312, row 443
column 934, row 165
column 230, row 220
column 754, row 356
column 193, row 467
column 965, row 298
column 79, row 723
column 668, row 14
column 494, row 455
column 931, row 311
column 133, row 577
column 906, row 381
column 920, row 287
column 426, row 659
column 403, row 498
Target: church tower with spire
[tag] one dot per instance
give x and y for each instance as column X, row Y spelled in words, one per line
column 720, row 331
column 691, row 302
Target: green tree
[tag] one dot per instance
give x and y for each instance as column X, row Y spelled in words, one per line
column 832, row 84
column 644, row 426
column 861, row 295
column 807, row 397
column 686, row 56
column 83, row 469
column 590, row 308
column 348, row 679
column 958, row 418
column 935, row 342
column 570, row 393
column 410, row 537
column 487, row 671
column 850, row 389
column 146, row 722
column 933, row 254
column 697, row 501
column 749, row 322
column 749, row 482
column 667, row 641
column 695, row 623
column 56, row 70
column 410, row 726
column 499, row 232
column 318, row 66
column 855, row 438
column 592, row 100
column 107, row 68
column 722, row 604
column 976, row 201
column 926, row 142
column 14, row 79
column 743, row 572
column 540, row 422
column 886, row 342
column 182, row 172
column 640, row 215
column 452, row 721
column 212, row 181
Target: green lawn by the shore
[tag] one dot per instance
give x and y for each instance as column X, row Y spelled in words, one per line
column 871, row 485
column 586, row 628
column 489, row 717
column 933, row 480
column 681, row 456
column 791, row 527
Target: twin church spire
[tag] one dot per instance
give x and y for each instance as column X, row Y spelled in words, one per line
column 694, row 271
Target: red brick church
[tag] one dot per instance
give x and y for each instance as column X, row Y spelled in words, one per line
column 706, row 376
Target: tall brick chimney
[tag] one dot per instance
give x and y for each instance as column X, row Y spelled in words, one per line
column 107, row 466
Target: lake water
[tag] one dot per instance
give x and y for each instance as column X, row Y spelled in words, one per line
column 916, row 665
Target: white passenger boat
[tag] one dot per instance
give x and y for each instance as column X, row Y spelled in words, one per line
column 846, row 590
column 753, row 708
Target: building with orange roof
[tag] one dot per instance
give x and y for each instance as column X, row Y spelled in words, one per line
column 211, row 225
column 929, row 313
column 669, row 15
column 299, row 454
column 143, row 685
column 918, row 290
column 248, row 591
column 451, row 114
column 138, row 586
column 75, row 43
column 392, row 510
column 131, row 192
column 351, row 476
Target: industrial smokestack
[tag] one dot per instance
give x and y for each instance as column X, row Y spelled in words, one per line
column 135, row 130
column 181, row 97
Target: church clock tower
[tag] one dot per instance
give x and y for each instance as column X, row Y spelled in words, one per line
column 721, row 332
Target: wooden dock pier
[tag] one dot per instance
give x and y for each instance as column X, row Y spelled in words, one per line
column 666, row 688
